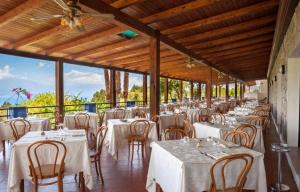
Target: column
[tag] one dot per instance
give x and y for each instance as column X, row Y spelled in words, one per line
column 145, row 89
column 59, row 90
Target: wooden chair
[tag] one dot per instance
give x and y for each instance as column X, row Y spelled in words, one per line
column 119, row 113
column 82, row 121
column 260, row 113
column 177, row 119
column 204, row 115
column 174, row 134
column 255, row 120
column 101, row 116
column 96, row 154
column 218, row 117
column 19, row 128
column 238, row 137
column 139, row 131
column 251, row 130
column 189, row 128
column 140, row 114
column 40, row 170
column 221, row 164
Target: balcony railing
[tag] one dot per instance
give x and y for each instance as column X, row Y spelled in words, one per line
column 48, row 111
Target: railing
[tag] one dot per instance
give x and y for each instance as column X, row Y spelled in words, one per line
column 48, row 111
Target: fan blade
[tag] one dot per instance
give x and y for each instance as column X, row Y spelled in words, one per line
column 80, row 28
column 63, row 5
column 46, row 17
column 103, row 15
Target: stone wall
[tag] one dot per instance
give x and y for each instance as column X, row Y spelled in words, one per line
column 278, row 88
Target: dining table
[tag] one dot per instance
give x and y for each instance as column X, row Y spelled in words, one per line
column 118, row 131
column 207, row 129
column 77, row 156
column 184, row 166
column 69, row 120
column 37, row 124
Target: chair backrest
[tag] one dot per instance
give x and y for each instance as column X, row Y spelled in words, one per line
column 119, row 113
column 255, row 120
column 36, row 155
column 238, row 137
column 19, row 128
column 251, row 130
column 261, row 113
column 174, row 134
column 101, row 116
column 227, row 161
column 189, row 128
column 100, row 137
column 82, row 121
column 218, row 118
column 140, row 127
column 140, row 113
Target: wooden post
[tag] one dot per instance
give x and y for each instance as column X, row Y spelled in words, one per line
column 227, row 92
column 59, row 89
column 180, row 90
column 192, row 89
column 154, row 75
column 145, row 91
column 200, row 91
column 208, row 90
column 235, row 89
column 241, row 90
column 220, row 90
column 166, row 90
column 216, row 91
column 113, row 95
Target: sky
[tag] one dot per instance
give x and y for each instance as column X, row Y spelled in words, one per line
column 37, row 76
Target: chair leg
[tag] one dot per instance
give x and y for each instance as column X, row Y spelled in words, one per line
column 142, row 143
column 132, row 152
column 128, row 150
column 3, row 143
column 99, row 165
column 60, row 183
column 96, row 166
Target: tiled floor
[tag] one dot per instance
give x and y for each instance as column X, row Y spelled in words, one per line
column 119, row 176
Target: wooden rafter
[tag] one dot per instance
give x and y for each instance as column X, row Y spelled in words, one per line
column 177, row 10
column 233, row 38
column 222, row 17
column 19, row 11
column 85, row 38
column 229, row 29
column 120, row 4
column 262, row 50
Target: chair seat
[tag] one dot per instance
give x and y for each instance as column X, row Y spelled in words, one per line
column 136, row 138
column 47, row 171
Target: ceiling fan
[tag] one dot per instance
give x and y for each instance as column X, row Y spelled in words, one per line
column 71, row 15
column 190, row 63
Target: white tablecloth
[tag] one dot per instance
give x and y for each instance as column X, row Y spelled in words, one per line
column 77, row 157
column 180, row 167
column 37, row 124
column 110, row 114
column 118, row 132
column 203, row 130
column 69, row 121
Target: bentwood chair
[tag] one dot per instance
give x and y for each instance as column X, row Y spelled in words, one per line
column 19, row 128
column 255, row 120
column 204, row 115
column 251, row 130
column 178, row 117
column 54, row 169
column 189, row 128
column 101, row 116
column 241, row 174
column 218, row 118
column 139, row 130
column 238, row 137
column 174, row 134
column 140, row 114
column 96, row 154
column 119, row 113
column 82, row 121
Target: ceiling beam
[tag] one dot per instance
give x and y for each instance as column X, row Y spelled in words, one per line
column 232, row 38
column 109, row 47
column 242, row 54
column 83, row 39
column 20, row 10
column 177, row 10
column 120, row 4
column 245, row 58
column 259, row 7
column 220, row 32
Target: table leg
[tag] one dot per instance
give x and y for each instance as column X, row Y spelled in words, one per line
column 22, row 185
column 3, row 144
column 81, row 182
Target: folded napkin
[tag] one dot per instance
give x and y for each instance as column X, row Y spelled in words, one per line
column 217, row 155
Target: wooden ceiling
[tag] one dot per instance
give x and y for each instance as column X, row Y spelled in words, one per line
column 234, row 36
